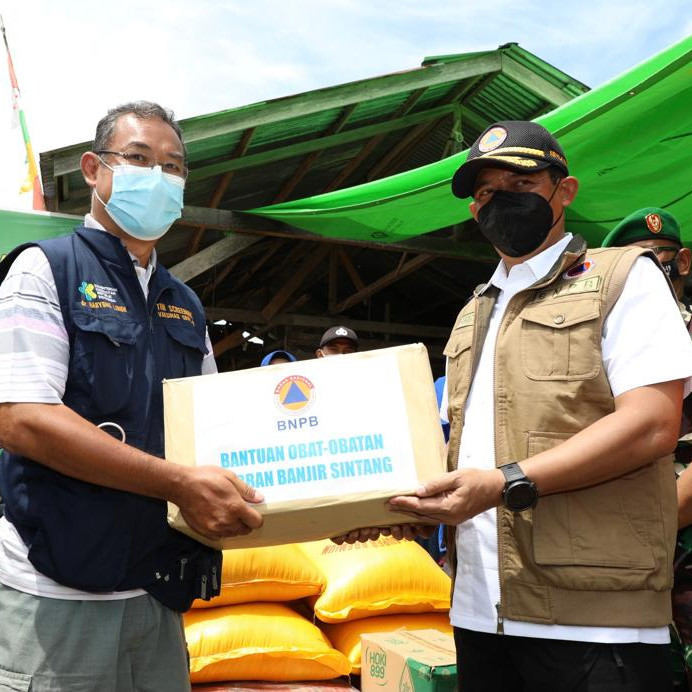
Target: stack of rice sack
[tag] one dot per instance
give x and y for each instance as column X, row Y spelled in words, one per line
column 379, row 586
column 249, row 632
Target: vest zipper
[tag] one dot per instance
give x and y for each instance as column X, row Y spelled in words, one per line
column 498, row 605
column 500, row 619
column 550, row 276
column 214, row 580
column 183, row 562
column 203, row 589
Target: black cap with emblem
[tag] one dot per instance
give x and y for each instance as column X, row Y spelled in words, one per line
column 518, row 145
column 339, row 332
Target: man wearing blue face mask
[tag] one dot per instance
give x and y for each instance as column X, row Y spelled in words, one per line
column 92, row 580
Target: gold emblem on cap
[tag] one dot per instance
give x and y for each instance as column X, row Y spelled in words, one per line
column 492, row 139
column 654, row 222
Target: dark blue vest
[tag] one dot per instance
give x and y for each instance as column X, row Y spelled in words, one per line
column 121, row 348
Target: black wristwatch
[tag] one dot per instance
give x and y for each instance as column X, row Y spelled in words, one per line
column 520, row 493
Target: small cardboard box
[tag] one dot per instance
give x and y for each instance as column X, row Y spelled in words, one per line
column 408, row 661
column 327, row 441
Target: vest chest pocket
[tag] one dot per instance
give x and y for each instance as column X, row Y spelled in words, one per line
column 186, row 350
column 561, row 340
column 458, row 352
column 103, row 363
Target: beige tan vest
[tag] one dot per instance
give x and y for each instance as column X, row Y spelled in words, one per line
column 600, row 556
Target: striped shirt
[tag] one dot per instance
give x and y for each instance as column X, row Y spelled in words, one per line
column 34, row 359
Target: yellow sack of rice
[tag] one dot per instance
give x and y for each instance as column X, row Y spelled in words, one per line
column 277, row 573
column 377, row 577
column 258, row 641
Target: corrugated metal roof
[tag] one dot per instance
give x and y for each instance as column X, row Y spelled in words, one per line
column 331, row 138
column 287, row 130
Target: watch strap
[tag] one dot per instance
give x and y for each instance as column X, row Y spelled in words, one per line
column 512, row 472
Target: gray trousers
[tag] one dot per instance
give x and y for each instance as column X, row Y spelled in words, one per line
column 55, row 645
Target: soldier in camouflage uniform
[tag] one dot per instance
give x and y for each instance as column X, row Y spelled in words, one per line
column 659, row 231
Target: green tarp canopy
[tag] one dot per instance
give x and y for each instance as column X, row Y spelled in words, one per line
column 18, row 227
column 629, row 142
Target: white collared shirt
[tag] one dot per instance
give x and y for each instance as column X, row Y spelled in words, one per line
column 644, row 342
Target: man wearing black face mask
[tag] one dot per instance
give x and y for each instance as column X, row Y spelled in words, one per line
column 560, row 495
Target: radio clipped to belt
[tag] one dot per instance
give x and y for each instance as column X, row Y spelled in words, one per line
column 193, row 574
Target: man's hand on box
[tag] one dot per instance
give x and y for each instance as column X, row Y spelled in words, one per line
column 404, row 531
column 214, row 503
column 453, row 497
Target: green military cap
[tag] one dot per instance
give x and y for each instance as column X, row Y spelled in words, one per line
column 644, row 224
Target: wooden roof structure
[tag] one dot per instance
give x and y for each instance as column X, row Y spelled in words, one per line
column 261, row 280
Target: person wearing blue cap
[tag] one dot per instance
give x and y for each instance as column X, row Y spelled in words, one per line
column 278, row 357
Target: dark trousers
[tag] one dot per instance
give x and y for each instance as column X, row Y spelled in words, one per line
column 502, row 663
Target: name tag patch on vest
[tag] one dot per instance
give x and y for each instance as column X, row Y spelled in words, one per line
column 97, row 297
column 589, row 285
column 466, row 320
column 174, row 312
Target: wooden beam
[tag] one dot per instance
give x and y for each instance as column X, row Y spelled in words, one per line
column 255, row 317
column 309, row 160
column 249, row 224
column 211, row 256
column 373, row 142
column 279, row 300
column 404, row 144
column 445, row 284
column 220, row 276
column 317, row 143
column 408, row 141
column 333, row 278
column 292, row 285
column 221, row 188
column 384, row 281
column 259, row 264
column 351, row 270
column 534, row 83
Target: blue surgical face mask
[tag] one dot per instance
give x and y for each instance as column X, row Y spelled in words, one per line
column 144, row 201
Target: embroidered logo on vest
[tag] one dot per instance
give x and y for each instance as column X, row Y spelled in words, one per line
column 107, row 297
column 87, row 290
column 579, row 270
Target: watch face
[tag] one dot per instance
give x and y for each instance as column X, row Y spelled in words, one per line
column 520, row 496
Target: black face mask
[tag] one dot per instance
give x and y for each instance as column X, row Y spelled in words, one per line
column 517, row 223
column 671, row 268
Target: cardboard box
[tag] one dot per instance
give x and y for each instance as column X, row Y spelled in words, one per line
column 408, row 661
column 326, row 440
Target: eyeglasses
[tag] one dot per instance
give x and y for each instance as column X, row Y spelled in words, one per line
column 136, row 158
column 664, row 248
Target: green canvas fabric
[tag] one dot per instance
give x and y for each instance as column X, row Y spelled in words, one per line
column 629, row 142
column 18, row 227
